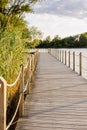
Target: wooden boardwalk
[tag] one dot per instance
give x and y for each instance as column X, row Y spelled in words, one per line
column 58, row 100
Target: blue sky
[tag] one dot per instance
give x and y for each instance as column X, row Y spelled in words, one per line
column 59, row 17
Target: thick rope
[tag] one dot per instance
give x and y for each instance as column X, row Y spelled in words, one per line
column 15, row 112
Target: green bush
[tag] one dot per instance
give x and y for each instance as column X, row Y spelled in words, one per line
column 11, row 53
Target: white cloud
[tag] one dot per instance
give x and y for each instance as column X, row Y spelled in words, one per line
column 53, row 25
column 72, row 8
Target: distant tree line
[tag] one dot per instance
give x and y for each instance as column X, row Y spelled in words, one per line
column 77, row 41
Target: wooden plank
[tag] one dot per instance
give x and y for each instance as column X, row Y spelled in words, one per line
column 58, row 100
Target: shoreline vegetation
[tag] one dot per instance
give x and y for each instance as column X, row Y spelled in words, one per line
column 77, row 41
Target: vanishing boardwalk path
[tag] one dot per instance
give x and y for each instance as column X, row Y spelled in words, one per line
column 58, row 100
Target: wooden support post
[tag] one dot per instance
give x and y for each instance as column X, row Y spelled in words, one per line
column 35, row 59
column 2, row 104
column 21, row 107
column 73, row 61
column 55, row 53
column 58, row 55
column 69, row 59
column 28, row 87
column 33, row 64
column 80, row 63
column 51, row 51
column 32, row 67
column 62, row 56
column 65, row 58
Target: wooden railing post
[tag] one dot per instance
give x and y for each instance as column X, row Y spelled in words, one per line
column 55, row 53
column 21, row 107
column 62, row 56
column 2, row 104
column 73, row 61
column 35, row 60
column 58, row 55
column 32, row 63
column 65, row 58
column 80, row 63
column 69, row 59
column 29, row 75
column 32, row 67
column 49, row 51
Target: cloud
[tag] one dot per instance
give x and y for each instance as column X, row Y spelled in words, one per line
column 53, row 25
column 71, row 8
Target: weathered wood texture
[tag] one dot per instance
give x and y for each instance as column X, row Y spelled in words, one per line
column 58, row 100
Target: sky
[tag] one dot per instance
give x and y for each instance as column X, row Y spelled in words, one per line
column 59, row 17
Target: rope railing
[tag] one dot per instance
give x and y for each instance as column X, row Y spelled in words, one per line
column 70, row 58
column 13, row 88
column 13, row 84
column 14, row 113
column 22, row 84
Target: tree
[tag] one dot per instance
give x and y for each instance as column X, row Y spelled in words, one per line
column 35, row 33
column 31, row 37
column 55, row 41
column 14, row 8
column 83, row 40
